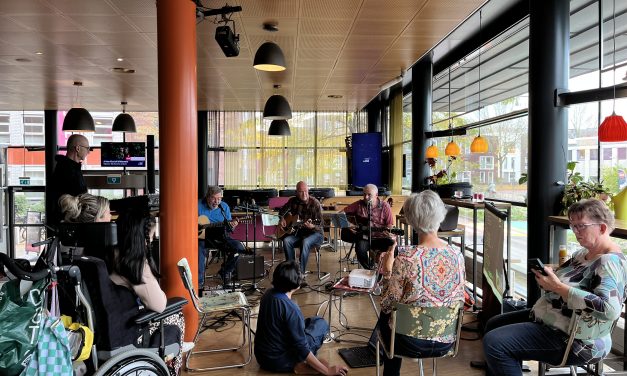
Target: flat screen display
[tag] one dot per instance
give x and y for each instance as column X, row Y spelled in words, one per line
column 123, row 154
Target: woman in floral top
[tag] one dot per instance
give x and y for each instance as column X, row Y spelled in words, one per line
column 593, row 281
column 430, row 274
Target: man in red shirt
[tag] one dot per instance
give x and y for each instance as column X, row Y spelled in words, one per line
column 373, row 217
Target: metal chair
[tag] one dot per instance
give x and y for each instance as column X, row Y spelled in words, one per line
column 573, row 330
column 423, row 322
column 269, row 223
column 209, row 305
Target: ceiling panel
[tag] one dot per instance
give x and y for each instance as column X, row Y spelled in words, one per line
column 344, row 47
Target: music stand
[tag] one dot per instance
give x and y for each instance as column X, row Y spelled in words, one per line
column 254, row 210
column 340, row 221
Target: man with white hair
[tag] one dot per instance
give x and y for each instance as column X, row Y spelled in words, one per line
column 372, row 216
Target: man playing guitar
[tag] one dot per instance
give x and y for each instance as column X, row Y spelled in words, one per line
column 380, row 218
column 216, row 211
column 308, row 210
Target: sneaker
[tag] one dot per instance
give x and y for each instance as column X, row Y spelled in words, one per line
column 187, row 346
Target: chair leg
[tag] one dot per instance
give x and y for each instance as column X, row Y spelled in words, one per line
column 435, row 367
column 321, row 275
column 541, row 368
column 378, row 357
column 422, row 370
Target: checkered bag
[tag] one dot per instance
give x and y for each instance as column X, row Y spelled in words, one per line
column 53, row 356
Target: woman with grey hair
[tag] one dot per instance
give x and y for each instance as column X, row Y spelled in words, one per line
column 593, row 281
column 430, row 274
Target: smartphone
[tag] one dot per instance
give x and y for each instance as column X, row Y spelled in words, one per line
column 536, row 264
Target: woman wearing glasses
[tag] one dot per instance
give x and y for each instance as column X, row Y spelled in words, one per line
column 593, row 281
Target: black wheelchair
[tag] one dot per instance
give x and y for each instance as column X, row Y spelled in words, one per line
column 123, row 344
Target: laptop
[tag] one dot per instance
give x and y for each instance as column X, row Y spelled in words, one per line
column 362, row 356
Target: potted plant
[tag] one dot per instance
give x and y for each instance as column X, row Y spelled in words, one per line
column 445, row 183
column 576, row 188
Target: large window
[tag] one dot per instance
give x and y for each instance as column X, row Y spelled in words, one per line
column 242, row 155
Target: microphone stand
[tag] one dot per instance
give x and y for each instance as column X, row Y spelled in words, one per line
column 370, row 226
column 254, row 210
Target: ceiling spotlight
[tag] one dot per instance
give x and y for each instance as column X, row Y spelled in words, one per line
column 120, row 59
column 122, row 70
column 228, row 41
column 77, row 118
column 270, row 58
column 271, row 27
column 39, row 53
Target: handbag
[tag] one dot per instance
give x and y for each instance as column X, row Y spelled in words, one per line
column 20, row 319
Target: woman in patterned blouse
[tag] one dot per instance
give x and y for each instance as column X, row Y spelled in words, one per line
column 430, row 274
column 593, row 281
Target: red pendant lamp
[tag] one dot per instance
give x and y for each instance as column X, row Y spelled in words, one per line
column 613, row 128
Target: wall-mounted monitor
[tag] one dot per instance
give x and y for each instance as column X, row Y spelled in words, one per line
column 123, row 154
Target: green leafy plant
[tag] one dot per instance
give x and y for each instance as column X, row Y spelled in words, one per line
column 576, row 188
column 441, row 177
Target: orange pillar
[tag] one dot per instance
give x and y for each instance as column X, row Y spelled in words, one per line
column 178, row 164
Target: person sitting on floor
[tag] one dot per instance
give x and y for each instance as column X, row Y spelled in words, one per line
column 430, row 274
column 286, row 342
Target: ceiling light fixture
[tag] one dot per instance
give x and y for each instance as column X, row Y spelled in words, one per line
column 613, row 128
column 479, row 144
column 269, row 58
column 277, row 107
column 78, row 119
column 432, row 151
column 124, row 122
column 279, row 128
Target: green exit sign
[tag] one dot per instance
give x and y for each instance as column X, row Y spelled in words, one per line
column 114, row 179
column 24, row 180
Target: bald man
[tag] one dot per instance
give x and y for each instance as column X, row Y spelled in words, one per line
column 67, row 177
column 310, row 232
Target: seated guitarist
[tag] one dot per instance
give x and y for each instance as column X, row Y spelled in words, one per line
column 212, row 207
column 380, row 218
column 309, row 235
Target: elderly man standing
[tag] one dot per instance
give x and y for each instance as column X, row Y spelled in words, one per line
column 371, row 213
column 308, row 230
column 67, row 177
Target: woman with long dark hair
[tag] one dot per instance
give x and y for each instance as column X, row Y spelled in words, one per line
column 133, row 266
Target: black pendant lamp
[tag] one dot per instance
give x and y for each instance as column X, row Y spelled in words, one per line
column 78, row 119
column 124, row 122
column 277, row 107
column 269, row 58
column 279, row 128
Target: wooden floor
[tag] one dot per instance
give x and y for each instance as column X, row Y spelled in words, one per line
column 358, row 312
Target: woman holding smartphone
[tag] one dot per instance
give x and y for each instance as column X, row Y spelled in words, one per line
column 593, row 281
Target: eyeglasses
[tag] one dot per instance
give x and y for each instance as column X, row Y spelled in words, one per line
column 82, row 146
column 580, row 226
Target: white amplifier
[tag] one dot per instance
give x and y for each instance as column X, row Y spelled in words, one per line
column 362, row 278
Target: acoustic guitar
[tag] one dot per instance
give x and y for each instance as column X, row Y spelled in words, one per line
column 292, row 225
column 204, row 223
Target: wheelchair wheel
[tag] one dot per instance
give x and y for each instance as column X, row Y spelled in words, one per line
column 135, row 362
